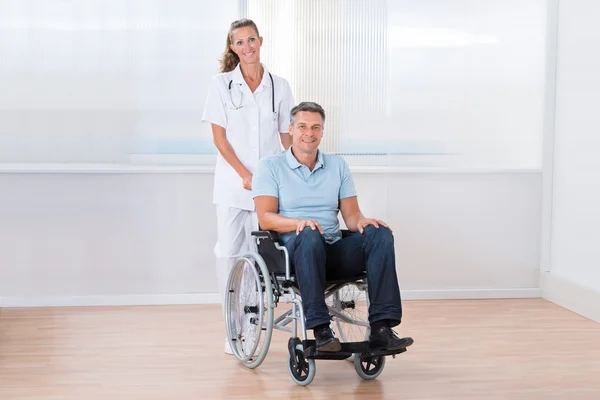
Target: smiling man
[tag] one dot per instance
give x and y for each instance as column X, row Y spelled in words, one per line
column 299, row 194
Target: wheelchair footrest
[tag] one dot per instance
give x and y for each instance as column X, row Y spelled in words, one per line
column 348, row 348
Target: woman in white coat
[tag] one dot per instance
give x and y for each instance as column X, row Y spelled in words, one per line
column 249, row 112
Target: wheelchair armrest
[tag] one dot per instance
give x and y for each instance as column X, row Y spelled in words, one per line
column 272, row 235
column 273, row 252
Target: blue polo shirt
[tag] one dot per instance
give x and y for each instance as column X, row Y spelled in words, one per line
column 305, row 194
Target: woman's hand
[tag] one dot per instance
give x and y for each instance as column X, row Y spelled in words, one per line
column 247, row 182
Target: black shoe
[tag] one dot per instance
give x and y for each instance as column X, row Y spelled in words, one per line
column 384, row 338
column 325, row 340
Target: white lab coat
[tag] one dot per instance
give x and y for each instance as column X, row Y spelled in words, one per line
column 253, row 132
column 251, row 129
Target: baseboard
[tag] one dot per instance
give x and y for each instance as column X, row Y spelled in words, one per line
column 464, row 294
column 214, row 298
column 108, row 300
column 580, row 299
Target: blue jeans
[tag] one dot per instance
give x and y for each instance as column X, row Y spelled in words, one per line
column 316, row 261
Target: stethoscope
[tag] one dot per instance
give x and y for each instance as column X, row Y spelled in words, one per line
column 241, row 104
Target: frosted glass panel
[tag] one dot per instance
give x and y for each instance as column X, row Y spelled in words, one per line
column 100, row 80
column 469, row 75
column 317, row 47
column 404, row 82
column 416, row 82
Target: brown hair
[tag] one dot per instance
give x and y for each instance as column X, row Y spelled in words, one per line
column 308, row 106
column 230, row 60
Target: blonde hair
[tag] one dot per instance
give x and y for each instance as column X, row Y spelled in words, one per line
column 230, row 60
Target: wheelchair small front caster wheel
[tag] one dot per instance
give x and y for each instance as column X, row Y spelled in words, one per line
column 301, row 369
column 368, row 367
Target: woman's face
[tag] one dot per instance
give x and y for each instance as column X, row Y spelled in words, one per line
column 246, row 44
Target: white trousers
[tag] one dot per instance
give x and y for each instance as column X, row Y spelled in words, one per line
column 234, row 227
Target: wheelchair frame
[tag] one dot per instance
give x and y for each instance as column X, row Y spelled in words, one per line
column 272, row 277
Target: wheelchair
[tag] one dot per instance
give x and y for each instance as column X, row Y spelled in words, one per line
column 260, row 280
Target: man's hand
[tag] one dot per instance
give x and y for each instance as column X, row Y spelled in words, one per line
column 364, row 222
column 247, row 182
column 313, row 223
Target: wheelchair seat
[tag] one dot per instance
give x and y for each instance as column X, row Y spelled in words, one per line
column 275, row 258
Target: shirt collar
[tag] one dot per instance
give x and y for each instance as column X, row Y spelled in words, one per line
column 293, row 163
column 237, row 77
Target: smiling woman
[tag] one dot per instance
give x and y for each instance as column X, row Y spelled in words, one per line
column 248, row 109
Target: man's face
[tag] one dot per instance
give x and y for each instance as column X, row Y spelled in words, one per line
column 307, row 131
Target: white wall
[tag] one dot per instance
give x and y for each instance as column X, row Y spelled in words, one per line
column 139, row 238
column 574, row 278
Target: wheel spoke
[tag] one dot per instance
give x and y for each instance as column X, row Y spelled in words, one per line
column 248, row 298
column 351, row 302
column 299, row 366
column 249, row 314
column 305, row 368
column 370, row 365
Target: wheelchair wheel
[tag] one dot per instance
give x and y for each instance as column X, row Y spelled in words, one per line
column 369, row 367
column 351, row 302
column 249, row 310
column 301, row 369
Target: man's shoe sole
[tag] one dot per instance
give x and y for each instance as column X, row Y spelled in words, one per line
column 405, row 344
column 331, row 346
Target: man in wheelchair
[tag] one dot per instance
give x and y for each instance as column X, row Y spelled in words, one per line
column 299, row 194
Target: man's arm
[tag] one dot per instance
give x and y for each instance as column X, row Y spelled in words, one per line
column 270, row 220
column 348, row 204
column 351, row 212
column 354, row 218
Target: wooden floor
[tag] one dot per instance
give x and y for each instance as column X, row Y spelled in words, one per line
column 480, row 349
